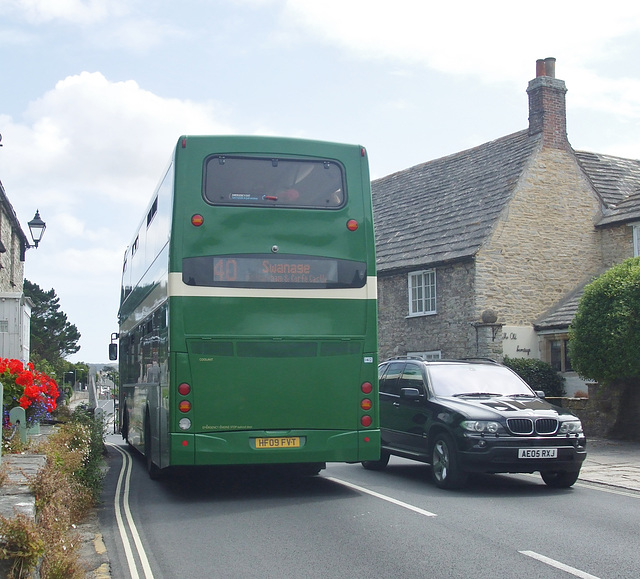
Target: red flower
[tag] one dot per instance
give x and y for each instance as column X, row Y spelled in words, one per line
column 15, row 366
column 25, row 378
column 28, row 388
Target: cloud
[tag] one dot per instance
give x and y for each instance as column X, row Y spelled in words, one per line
column 88, row 154
column 495, row 41
column 73, row 11
column 93, row 137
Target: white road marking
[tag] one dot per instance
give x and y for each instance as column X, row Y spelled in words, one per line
column 125, row 473
column 383, row 497
column 558, row 565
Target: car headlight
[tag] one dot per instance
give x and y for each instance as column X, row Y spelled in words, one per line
column 570, row 427
column 486, row 426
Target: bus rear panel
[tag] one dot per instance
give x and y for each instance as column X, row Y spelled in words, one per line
column 257, row 344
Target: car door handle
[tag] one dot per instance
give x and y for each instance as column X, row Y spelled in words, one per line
column 397, row 404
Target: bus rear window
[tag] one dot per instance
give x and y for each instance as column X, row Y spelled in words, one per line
column 265, row 182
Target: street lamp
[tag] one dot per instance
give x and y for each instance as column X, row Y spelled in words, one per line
column 37, row 227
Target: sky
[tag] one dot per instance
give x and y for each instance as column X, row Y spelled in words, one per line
column 95, row 93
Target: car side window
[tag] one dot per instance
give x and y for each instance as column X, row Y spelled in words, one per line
column 412, row 378
column 389, row 383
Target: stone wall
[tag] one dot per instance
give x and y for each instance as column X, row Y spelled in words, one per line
column 599, row 413
column 11, row 266
column 617, row 244
column 544, row 244
column 449, row 330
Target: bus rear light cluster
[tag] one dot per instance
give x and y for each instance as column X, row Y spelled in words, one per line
column 352, row 225
column 184, row 406
column 197, row 220
column 366, row 404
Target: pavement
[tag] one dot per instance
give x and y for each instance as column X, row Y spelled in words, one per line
column 612, row 463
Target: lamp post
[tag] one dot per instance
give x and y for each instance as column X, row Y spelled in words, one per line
column 37, row 227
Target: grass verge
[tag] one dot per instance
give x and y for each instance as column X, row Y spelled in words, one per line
column 65, row 489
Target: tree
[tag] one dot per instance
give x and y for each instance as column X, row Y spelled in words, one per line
column 605, row 338
column 52, row 336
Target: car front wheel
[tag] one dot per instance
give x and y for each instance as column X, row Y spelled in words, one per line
column 445, row 471
column 559, row 480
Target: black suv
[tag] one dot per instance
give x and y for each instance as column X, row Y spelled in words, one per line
column 474, row 416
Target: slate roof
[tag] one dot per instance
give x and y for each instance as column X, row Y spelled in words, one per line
column 617, row 181
column 559, row 317
column 445, row 209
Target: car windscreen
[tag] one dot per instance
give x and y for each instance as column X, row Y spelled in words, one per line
column 478, row 379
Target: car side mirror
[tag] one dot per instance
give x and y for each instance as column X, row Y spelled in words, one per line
column 540, row 393
column 113, row 351
column 411, row 394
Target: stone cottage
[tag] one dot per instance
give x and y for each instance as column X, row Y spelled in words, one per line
column 484, row 253
column 15, row 308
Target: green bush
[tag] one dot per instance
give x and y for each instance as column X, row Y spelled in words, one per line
column 65, row 489
column 538, row 374
column 605, row 332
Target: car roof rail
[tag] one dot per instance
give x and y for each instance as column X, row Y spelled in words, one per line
column 477, row 359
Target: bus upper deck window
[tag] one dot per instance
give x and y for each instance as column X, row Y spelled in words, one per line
column 274, row 182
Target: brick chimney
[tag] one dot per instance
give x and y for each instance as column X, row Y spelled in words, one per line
column 547, row 107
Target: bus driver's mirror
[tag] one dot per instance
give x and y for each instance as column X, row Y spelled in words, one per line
column 113, row 351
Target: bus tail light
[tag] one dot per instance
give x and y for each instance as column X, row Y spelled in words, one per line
column 184, row 406
column 197, row 220
column 366, row 387
column 366, row 421
column 352, row 225
column 366, row 404
column 184, row 424
column 184, row 389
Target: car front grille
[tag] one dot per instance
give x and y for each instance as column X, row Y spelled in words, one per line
column 529, row 426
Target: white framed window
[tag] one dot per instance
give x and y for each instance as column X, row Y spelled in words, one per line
column 422, row 292
column 636, row 240
column 430, row 355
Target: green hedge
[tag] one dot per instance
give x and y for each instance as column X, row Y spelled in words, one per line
column 538, row 374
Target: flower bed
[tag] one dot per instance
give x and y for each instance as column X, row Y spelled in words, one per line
column 24, row 386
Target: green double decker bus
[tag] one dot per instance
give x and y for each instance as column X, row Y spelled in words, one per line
column 247, row 321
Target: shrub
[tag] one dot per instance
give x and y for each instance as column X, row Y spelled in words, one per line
column 11, row 441
column 605, row 332
column 65, row 489
column 538, row 374
column 20, row 542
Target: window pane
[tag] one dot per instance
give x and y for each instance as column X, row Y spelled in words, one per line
column 262, row 182
column 422, row 292
column 556, row 355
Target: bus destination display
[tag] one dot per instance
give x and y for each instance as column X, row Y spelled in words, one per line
column 292, row 271
column 279, row 271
